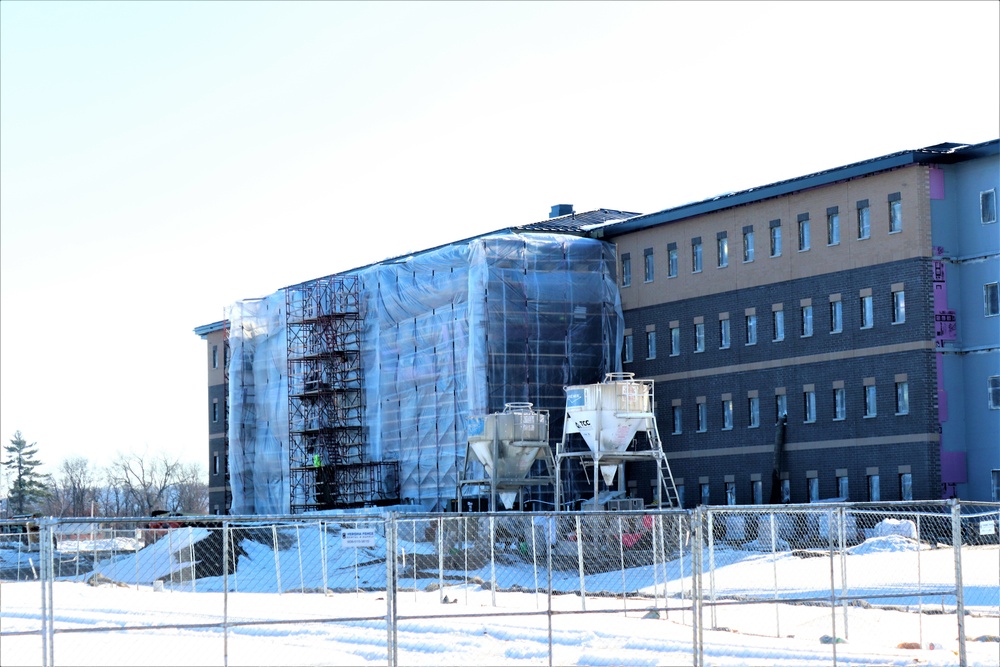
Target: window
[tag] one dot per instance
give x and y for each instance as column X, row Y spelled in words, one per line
column 867, row 312
column 627, row 349
column 807, row 321
column 215, row 464
column 781, row 405
column 724, row 334
column 786, row 491
column 705, row 495
column 722, row 247
column 874, row 493
column 988, row 206
column 864, row 220
column 727, row 415
column 803, row 232
column 696, row 255
column 812, row 489
column 778, row 320
column 215, row 356
column 757, row 492
column 751, row 329
column 833, row 225
column 647, row 259
column 842, row 487
column 730, row 493
column 651, row 345
column 675, row 341
column 672, row 260
column 839, row 404
column 748, row 244
column 699, row 337
column 902, row 397
column 753, row 412
column 898, row 306
column 836, row 317
column 626, row 270
column 215, row 410
column 906, row 486
column 870, row 404
column 991, row 300
column 678, row 424
column 995, row 475
column 895, row 213
column 994, row 390
column 809, row 406
column 680, row 496
column 776, row 238
column 702, row 417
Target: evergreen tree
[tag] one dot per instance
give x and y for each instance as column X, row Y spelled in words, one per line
column 28, row 486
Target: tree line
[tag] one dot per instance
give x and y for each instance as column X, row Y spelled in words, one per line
column 133, row 484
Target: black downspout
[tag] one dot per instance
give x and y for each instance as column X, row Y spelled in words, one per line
column 779, row 445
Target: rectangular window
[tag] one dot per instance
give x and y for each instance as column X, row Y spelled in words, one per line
column 705, row 494
column 988, row 206
column 678, row 423
column 757, row 492
column 812, row 489
column 993, row 386
column 675, row 341
column 864, row 220
column 843, row 490
column 215, row 464
column 902, row 398
column 807, row 321
column 809, row 406
column 786, row 490
column 833, row 226
column 751, row 329
column 699, row 337
column 702, row 417
column 651, row 345
column 867, row 313
column 778, row 320
column 627, row 349
column 724, row 334
column 874, row 492
column 730, row 493
column 753, row 412
column 781, row 406
column 722, row 248
column 696, row 255
column 215, row 356
column 898, row 307
column 680, row 496
column 839, row 404
column 215, row 410
column 626, row 270
column 836, row 317
column 906, row 486
column 776, row 238
column 991, row 299
column 672, row 260
column 647, row 259
column 748, row 244
column 895, row 213
column 870, row 401
column 803, row 232
column 727, row 415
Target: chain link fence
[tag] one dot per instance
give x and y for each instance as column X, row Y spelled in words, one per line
column 811, row 584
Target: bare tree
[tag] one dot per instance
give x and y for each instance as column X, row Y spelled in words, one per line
column 191, row 490
column 146, row 483
column 74, row 487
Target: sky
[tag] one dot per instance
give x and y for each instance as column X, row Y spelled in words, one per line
column 161, row 160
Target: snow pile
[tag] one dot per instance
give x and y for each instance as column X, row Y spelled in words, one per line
column 886, row 544
column 904, row 527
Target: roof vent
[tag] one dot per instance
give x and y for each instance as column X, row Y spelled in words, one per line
column 561, row 209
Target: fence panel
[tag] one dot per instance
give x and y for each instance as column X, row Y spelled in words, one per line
column 21, row 590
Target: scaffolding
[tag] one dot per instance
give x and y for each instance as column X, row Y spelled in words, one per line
column 328, row 467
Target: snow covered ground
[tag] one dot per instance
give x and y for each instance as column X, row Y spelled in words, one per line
column 332, row 609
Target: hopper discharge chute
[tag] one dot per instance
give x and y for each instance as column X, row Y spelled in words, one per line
column 507, row 445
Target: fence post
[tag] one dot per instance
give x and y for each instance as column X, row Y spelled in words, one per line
column 697, row 556
column 711, row 561
column 833, row 585
column 45, row 571
column 548, row 569
column 956, row 540
column 225, row 594
column 391, row 574
column 579, row 561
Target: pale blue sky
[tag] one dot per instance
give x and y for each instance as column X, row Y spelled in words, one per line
column 159, row 161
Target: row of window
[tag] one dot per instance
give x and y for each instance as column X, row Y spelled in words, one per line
column 806, row 321
column 873, row 483
column 838, row 402
column 804, row 239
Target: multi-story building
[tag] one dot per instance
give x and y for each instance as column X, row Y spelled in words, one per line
column 859, row 303
column 217, row 359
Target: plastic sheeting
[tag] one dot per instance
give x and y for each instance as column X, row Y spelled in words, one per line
column 449, row 333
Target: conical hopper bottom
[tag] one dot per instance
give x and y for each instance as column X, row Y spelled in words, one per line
column 608, row 473
column 507, row 498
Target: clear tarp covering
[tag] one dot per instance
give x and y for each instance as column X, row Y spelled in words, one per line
column 449, row 333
